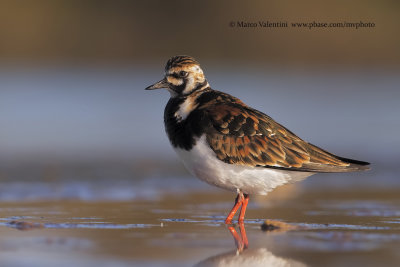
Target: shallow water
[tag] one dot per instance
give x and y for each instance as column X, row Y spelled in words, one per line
column 333, row 227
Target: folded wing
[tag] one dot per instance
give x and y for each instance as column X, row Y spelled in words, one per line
column 244, row 136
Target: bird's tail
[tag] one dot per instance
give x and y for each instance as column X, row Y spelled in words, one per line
column 355, row 165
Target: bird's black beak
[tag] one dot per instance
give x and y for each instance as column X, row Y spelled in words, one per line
column 161, row 84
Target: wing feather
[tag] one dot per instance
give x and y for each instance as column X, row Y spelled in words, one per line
column 244, row 136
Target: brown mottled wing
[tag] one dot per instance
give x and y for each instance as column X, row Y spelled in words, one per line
column 244, row 136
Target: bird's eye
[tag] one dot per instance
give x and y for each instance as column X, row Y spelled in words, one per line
column 183, row 73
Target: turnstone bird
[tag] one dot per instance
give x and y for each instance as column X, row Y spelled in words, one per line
column 230, row 145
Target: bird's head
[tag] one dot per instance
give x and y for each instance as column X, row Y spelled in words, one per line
column 183, row 76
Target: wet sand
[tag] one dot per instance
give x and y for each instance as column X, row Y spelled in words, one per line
column 330, row 228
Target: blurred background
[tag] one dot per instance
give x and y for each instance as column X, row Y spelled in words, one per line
column 72, row 73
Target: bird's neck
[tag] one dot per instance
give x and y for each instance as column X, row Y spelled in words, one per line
column 181, row 106
column 194, row 86
column 179, row 117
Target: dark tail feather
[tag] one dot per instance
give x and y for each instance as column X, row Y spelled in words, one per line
column 355, row 165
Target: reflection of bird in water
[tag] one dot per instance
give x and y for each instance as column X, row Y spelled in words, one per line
column 247, row 257
column 228, row 144
column 241, row 240
column 250, row 257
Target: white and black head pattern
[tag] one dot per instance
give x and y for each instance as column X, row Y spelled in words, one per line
column 183, row 76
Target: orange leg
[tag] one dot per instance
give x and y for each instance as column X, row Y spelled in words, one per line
column 238, row 202
column 243, row 209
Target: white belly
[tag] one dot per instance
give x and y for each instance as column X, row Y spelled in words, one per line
column 202, row 162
